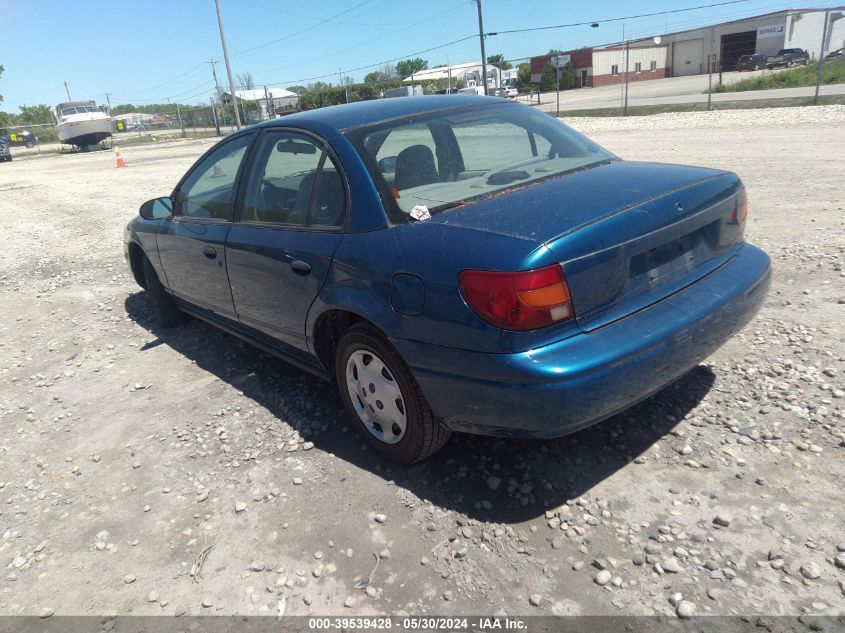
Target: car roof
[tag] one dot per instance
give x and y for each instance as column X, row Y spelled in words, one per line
column 351, row 115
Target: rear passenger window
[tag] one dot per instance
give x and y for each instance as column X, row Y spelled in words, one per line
column 293, row 182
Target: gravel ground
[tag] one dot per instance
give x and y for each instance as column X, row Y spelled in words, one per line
column 148, row 471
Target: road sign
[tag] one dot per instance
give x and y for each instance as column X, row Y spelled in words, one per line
column 560, row 60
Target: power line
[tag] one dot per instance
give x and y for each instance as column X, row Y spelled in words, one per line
column 323, row 20
column 367, row 43
column 381, row 63
column 290, row 35
column 620, row 19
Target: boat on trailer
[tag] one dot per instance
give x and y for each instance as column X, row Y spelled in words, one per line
column 82, row 123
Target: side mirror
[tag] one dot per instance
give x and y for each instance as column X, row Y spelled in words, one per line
column 387, row 165
column 157, row 209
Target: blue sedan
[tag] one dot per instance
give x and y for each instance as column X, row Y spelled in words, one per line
column 454, row 263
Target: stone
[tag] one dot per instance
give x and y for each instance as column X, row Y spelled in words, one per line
column 535, row 599
column 380, row 518
column 603, row 577
column 670, row 566
column 240, row 506
column 685, row 609
column 810, row 570
column 494, row 482
column 722, row 520
column 45, row 612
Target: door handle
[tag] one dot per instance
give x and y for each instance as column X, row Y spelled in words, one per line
column 300, row 266
column 209, row 252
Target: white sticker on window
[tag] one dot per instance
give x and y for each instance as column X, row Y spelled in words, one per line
column 420, row 213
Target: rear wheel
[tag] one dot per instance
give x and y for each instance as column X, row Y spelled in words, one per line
column 167, row 312
column 382, row 398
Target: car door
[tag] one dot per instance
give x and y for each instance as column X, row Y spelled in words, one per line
column 291, row 214
column 192, row 244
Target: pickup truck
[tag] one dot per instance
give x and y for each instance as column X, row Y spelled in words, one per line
column 788, row 57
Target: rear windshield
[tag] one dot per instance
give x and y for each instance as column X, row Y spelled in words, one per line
column 444, row 159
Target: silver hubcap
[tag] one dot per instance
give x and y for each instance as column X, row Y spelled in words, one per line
column 376, row 396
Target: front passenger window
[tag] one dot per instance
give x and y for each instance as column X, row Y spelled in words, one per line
column 207, row 192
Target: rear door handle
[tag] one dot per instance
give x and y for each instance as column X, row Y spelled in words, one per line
column 300, row 266
column 209, row 252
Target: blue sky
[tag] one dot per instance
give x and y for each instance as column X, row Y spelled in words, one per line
column 151, row 50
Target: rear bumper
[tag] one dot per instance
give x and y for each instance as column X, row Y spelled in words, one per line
column 579, row 381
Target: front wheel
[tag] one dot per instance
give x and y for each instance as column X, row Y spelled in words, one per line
column 382, row 398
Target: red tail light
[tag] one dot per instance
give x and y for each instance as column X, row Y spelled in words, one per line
column 518, row 301
column 740, row 211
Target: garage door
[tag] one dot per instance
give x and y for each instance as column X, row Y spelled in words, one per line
column 688, row 57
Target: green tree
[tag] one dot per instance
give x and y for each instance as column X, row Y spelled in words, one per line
column 408, row 67
column 297, row 89
column 33, row 115
column 499, row 62
column 523, row 78
column 567, row 76
column 377, row 76
column 1, row 73
column 548, row 80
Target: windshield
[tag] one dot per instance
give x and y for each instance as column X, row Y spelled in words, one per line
column 79, row 110
column 444, row 159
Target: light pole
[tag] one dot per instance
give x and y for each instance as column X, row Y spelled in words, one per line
column 228, row 66
column 481, row 37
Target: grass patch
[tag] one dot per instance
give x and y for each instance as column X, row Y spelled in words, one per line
column 702, row 107
column 833, row 72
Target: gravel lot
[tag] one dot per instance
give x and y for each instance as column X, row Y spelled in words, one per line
column 148, row 471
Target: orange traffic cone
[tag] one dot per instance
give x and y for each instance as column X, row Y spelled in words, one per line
column 218, row 171
column 120, row 161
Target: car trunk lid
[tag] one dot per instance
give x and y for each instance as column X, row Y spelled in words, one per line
column 626, row 234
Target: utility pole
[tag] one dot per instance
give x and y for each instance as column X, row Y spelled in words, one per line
column 214, row 114
column 228, row 66
column 557, row 79
column 481, row 37
column 181, row 123
column 625, row 105
column 108, row 101
column 68, row 92
column 214, row 62
column 710, row 71
column 271, row 108
column 821, row 57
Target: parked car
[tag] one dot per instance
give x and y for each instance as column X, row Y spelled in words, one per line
column 757, row 61
column 788, row 57
column 454, row 263
column 837, row 54
column 19, row 139
column 5, row 152
column 508, row 92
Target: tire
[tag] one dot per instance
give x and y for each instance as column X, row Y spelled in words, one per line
column 167, row 312
column 423, row 434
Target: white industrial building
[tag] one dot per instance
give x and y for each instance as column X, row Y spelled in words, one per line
column 688, row 51
column 469, row 72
